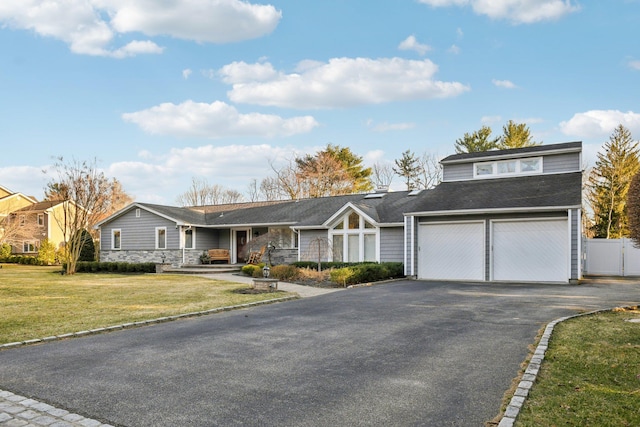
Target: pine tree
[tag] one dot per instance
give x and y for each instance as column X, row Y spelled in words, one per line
column 516, row 135
column 609, row 184
column 633, row 209
column 409, row 168
column 479, row 140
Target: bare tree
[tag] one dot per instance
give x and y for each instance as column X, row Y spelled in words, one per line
column 18, row 225
column 431, row 171
column 85, row 193
column 202, row 193
column 382, row 175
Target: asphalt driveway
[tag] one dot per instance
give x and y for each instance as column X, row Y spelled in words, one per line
column 398, row 354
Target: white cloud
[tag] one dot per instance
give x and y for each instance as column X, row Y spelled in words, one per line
column 516, row 11
column 341, row 82
column 410, row 43
column 186, row 73
column 597, row 123
column 385, row 127
column 161, row 177
column 506, row 84
column 90, row 27
column 490, row 119
column 215, row 120
column 634, row 64
column 28, row 180
column 454, row 49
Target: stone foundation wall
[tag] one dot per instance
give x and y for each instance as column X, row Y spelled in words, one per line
column 171, row 256
column 282, row 256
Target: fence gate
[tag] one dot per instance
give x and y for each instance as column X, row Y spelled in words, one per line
column 611, row 257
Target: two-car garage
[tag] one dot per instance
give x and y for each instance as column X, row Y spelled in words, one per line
column 495, row 249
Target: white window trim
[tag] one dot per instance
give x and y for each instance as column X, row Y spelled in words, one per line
column 165, row 237
column 184, row 238
column 360, row 232
column 494, row 165
column 30, row 243
column 138, row 213
column 113, row 240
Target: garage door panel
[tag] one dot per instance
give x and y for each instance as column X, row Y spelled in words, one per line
column 530, row 250
column 452, row 251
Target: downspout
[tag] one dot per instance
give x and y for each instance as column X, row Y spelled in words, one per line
column 298, row 239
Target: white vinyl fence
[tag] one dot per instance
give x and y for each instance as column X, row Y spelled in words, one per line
column 611, row 257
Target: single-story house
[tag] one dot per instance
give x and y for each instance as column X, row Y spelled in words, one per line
column 500, row 215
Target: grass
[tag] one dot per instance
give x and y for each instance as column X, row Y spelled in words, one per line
column 36, row 302
column 590, row 375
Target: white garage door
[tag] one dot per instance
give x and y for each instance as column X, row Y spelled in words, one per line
column 451, row 251
column 532, row 251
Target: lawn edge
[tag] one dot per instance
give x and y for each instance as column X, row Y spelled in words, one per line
column 531, row 373
column 78, row 334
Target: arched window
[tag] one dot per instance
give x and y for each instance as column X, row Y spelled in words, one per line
column 354, row 239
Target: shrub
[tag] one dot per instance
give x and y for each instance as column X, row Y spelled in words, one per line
column 248, row 269
column 284, row 272
column 87, row 248
column 5, row 251
column 47, row 253
column 342, row 276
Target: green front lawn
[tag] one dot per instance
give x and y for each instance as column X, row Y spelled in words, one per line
column 36, row 302
column 590, row 375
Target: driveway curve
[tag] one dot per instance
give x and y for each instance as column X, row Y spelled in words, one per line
column 396, row 354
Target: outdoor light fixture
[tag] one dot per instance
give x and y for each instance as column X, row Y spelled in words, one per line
column 266, row 271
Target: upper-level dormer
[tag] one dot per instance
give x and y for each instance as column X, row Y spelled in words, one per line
column 536, row 160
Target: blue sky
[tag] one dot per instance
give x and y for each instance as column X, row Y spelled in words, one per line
column 162, row 91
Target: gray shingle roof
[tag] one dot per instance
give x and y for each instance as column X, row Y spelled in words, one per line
column 537, row 191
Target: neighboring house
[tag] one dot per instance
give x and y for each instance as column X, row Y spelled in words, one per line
column 502, row 215
column 11, row 202
column 36, row 222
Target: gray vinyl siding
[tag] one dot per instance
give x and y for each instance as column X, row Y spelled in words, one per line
column 410, row 242
column 207, row 238
column 139, row 233
column 457, row 172
column 309, row 245
column 575, row 244
column 391, row 244
column 554, row 163
column 558, row 163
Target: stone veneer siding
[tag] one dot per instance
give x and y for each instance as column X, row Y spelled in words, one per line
column 172, row 256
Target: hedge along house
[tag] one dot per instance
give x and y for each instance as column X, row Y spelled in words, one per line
column 356, row 227
column 501, row 215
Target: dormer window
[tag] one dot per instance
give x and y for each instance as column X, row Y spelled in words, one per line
column 513, row 167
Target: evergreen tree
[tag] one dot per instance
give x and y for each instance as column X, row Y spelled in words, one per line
column 516, row 135
column 409, row 168
column 609, row 184
column 633, row 209
column 479, row 140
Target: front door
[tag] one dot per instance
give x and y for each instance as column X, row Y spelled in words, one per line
column 241, row 244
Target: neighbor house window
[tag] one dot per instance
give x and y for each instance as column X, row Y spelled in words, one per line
column 116, row 239
column 29, row 246
column 189, row 238
column 354, row 239
column 161, row 237
column 41, row 220
column 22, row 220
column 508, row 167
